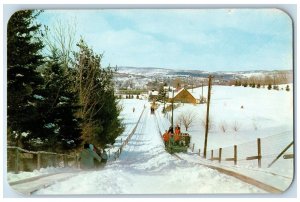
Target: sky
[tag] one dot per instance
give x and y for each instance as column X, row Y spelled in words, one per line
column 198, row 39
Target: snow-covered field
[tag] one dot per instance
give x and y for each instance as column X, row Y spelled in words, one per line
column 145, row 168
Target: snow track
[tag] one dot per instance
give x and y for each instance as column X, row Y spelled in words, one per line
column 30, row 185
column 144, row 167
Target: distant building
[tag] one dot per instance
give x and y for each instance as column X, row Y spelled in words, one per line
column 153, row 94
column 183, row 96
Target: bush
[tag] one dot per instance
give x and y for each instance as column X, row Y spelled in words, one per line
column 236, row 126
column 223, row 126
column 269, row 87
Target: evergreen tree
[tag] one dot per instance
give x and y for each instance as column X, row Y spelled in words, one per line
column 161, row 94
column 287, row 88
column 23, row 79
column 245, row 84
column 269, row 87
column 99, row 108
column 60, row 128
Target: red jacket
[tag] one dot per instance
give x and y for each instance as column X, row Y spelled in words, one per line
column 166, row 136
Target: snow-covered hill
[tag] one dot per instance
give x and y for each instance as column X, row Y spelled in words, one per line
column 145, row 168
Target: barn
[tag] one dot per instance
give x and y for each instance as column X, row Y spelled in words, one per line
column 184, row 96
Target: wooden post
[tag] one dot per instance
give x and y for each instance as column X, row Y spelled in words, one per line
column 288, row 156
column 259, row 152
column 207, row 115
column 76, row 161
column 212, row 155
column 17, row 161
column 235, row 154
column 55, row 160
column 199, row 152
column 38, row 160
column 65, row 161
column 279, row 155
column 220, row 154
column 193, row 147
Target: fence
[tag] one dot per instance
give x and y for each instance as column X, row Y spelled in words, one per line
column 125, row 142
column 262, row 153
column 19, row 159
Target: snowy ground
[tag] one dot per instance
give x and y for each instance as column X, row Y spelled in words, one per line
column 145, row 168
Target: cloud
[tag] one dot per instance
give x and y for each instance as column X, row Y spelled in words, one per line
column 189, row 38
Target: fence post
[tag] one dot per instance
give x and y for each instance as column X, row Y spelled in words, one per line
column 65, row 161
column 193, row 147
column 199, row 151
column 235, row 154
column 220, row 154
column 76, row 160
column 55, row 160
column 17, row 161
column 212, row 155
column 38, row 160
column 259, row 152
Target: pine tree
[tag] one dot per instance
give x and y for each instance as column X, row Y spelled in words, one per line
column 23, row 79
column 287, row 88
column 161, row 94
column 99, row 107
column 60, row 128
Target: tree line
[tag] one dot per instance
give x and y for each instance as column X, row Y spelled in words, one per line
column 60, row 98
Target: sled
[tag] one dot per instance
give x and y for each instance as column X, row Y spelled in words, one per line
column 181, row 146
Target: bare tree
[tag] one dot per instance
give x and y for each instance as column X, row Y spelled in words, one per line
column 223, row 126
column 236, row 126
column 187, row 119
column 61, row 37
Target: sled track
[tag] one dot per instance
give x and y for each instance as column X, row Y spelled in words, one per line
column 33, row 184
column 239, row 176
column 244, row 178
column 136, row 137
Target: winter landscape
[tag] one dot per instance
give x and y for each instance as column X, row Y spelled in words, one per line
column 237, row 110
column 144, row 167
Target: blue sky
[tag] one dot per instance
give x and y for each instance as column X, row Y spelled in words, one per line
column 202, row 39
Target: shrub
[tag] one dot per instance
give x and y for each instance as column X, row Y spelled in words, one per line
column 236, row 126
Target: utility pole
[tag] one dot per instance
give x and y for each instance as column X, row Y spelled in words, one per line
column 165, row 93
column 207, row 115
column 172, row 108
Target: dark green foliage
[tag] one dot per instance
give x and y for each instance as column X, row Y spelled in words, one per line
column 23, row 79
column 258, row 86
column 60, row 126
column 238, row 83
column 287, row 88
column 269, row 87
column 161, row 94
column 99, row 107
column 245, row 84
